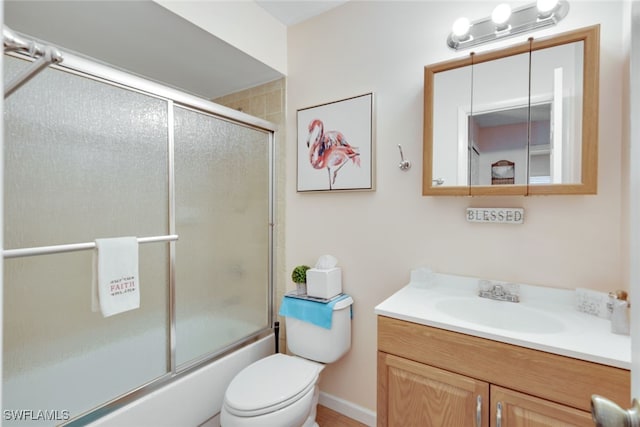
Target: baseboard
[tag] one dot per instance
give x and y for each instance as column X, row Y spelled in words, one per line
column 348, row 409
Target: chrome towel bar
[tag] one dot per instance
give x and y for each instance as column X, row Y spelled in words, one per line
column 45, row 250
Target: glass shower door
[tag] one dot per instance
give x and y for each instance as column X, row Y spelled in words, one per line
column 83, row 160
column 222, row 217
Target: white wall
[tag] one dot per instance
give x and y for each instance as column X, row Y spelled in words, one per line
column 378, row 237
column 242, row 24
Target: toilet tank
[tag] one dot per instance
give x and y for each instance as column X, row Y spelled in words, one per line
column 313, row 342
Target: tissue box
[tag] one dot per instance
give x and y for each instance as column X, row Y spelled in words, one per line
column 324, row 283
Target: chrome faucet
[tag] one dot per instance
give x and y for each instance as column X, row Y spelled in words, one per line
column 499, row 291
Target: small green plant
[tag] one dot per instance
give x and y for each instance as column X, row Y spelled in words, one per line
column 299, row 274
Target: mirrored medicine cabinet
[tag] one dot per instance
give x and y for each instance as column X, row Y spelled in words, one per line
column 518, row 121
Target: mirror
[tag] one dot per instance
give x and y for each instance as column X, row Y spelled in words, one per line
column 518, row 121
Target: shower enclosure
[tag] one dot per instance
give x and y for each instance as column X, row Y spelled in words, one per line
column 93, row 152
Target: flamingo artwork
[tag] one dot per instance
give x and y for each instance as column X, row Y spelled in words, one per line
column 329, row 150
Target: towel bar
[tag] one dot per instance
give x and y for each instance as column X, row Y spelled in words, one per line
column 44, row 250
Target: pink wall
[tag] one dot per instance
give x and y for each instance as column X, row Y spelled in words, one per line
column 378, row 237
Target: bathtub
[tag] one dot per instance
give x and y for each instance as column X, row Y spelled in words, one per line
column 190, row 400
column 193, row 400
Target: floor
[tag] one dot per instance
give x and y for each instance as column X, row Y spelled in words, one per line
column 328, row 418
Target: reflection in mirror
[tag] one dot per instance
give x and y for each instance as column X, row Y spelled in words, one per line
column 502, row 135
column 498, row 122
column 452, row 92
column 557, row 75
column 533, row 105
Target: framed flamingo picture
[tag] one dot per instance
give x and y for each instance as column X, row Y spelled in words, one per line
column 335, row 145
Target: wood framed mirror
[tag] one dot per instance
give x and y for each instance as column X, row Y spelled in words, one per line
column 534, row 104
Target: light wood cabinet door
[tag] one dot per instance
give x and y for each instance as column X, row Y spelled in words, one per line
column 522, row 410
column 423, row 396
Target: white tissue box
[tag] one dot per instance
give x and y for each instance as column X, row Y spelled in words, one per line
column 324, row 283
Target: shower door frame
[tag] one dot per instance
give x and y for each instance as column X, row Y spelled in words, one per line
column 88, row 68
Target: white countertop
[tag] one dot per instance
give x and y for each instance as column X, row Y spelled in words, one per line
column 581, row 336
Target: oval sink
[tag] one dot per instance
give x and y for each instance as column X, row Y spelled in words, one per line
column 499, row 314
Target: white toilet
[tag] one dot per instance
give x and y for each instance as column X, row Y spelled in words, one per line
column 282, row 390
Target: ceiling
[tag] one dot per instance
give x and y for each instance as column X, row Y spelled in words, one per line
column 293, row 12
column 132, row 35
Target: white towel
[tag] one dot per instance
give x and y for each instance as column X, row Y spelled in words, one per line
column 116, row 285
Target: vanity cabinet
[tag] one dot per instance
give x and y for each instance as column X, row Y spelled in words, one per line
column 416, row 392
column 433, row 377
column 519, row 409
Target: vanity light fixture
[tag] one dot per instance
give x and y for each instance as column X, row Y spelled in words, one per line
column 546, row 8
column 500, row 16
column 460, row 29
column 504, row 22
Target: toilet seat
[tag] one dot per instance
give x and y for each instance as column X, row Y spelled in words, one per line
column 270, row 384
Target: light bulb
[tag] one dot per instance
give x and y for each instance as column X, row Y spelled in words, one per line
column 500, row 15
column 461, row 27
column 546, row 7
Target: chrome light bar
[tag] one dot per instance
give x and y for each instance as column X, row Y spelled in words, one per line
column 524, row 19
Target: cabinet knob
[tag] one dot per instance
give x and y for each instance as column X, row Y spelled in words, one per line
column 606, row 413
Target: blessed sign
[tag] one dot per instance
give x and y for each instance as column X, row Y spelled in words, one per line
column 496, row 215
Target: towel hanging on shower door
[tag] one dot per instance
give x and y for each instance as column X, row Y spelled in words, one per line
column 116, row 285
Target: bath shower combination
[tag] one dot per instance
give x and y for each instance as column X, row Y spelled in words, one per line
column 94, row 152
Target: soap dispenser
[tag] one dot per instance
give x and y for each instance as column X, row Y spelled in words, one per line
column 619, row 308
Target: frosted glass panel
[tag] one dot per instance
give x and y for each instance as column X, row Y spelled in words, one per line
column 222, row 214
column 60, row 355
column 83, row 160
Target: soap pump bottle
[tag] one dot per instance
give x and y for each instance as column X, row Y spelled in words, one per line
column 619, row 308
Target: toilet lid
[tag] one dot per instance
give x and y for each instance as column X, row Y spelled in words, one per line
column 270, row 384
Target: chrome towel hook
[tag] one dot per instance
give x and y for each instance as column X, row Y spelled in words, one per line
column 404, row 164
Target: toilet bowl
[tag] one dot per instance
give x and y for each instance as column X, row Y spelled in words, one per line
column 277, row 391
column 282, row 390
